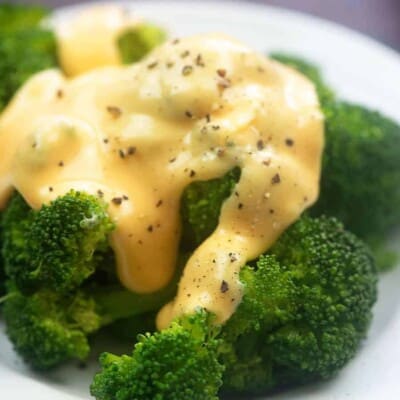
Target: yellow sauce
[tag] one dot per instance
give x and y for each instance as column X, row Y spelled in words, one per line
column 89, row 40
column 138, row 135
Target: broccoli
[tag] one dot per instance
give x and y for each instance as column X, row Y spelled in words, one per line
column 180, row 362
column 25, row 47
column 56, row 247
column 59, row 290
column 137, row 42
column 306, row 307
column 200, row 207
column 360, row 181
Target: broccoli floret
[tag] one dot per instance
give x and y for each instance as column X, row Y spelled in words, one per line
column 47, row 328
column 58, row 294
column 325, row 93
column 180, row 362
column 137, row 42
column 200, row 207
column 360, row 182
column 25, row 47
column 58, row 246
column 15, row 17
column 306, row 307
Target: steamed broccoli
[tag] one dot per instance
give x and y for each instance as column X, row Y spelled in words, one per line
column 56, row 247
column 178, row 363
column 306, row 307
column 25, row 47
column 360, row 181
column 136, row 43
column 55, row 258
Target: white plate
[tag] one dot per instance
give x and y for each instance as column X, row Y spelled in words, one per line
column 360, row 70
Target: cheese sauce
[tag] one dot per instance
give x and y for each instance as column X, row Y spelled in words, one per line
column 89, row 40
column 136, row 136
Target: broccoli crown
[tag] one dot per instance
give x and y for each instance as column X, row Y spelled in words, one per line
column 325, row 93
column 47, row 328
column 62, row 285
column 15, row 17
column 361, row 170
column 306, row 307
column 201, row 205
column 25, row 48
column 177, row 363
column 57, row 247
column 136, row 43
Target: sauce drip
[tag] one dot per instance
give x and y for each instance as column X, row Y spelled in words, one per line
column 138, row 135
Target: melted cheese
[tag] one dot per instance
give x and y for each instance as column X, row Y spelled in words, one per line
column 89, row 40
column 137, row 136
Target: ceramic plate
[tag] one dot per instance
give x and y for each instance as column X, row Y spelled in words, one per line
column 360, row 70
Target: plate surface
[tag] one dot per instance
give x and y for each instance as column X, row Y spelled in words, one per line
column 360, row 70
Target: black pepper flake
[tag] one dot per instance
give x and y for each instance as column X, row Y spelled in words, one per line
column 224, row 287
column 175, row 41
column 271, row 211
column 289, row 142
column 267, row 162
column 221, row 73
column 117, row 201
column 105, row 140
column 121, row 153
column 152, row 65
column 114, row 111
column 260, row 144
column 140, row 242
column 172, row 160
column 34, row 145
column 220, row 152
column 240, row 206
column 61, row 164
column 170, row 64
column 185, row 53
column 159, row 203
column 208, row 118
column 199, row 61
column 100, row 193
column 60, row 94
column 131, row 150
column 125, row 197
column 188, row 114
column 216, row 127
column 150, row 228
column 276, row 179
column 232, row 257
column 192, row 173
column 187, row 70
column 50, row 188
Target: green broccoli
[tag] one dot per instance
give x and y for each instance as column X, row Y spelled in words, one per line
column 136, row 43
column 56, row 247
column 14, row 17
column 306, row 307
column 360, row 181
column 25, row 47
column 60, row 291
column 200, row 207
column 180, row 362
